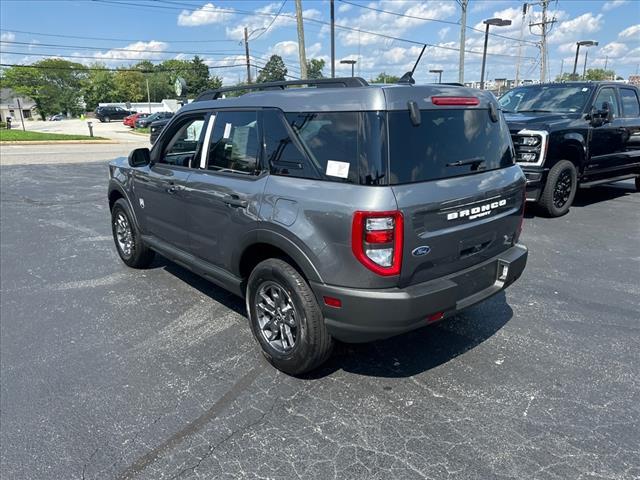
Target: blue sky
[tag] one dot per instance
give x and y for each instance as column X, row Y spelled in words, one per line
column 119, row 32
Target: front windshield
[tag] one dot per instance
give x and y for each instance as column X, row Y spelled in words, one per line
column 546, row 98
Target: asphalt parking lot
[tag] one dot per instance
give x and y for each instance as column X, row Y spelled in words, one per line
column 107, row 372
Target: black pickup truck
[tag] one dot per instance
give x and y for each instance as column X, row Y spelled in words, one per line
column 574, row 134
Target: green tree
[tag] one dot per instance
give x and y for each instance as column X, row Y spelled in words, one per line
column 129, row 85
column 314, row 68
column 600, row 74
column 214, row 82
column 273, row 71
column 98, row 86
column 384, row 78
column 54, row 84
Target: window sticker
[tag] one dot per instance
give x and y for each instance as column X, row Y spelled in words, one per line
column 337, row 169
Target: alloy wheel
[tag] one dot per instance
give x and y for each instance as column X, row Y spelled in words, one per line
column 562, row 189
column 277, row 317
column 124, row 234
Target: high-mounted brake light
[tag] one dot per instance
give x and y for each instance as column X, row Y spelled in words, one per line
column 455, row 101
column 376, row 241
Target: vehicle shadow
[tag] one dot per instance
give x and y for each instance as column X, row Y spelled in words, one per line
column 421, row 350
column 601, row 193
column 401, row 356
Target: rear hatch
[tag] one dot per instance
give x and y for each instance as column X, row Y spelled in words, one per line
column 457, row 187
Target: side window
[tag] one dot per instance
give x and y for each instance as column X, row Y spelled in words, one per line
column 182, row 149
column 331, row 140
column 281, row 152
column 630, row 104
column 608, row 95
column 234, row 143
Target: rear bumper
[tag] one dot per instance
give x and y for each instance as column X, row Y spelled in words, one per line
column 368, row 315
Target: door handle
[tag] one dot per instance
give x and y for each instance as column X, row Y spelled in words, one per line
column 235, row 201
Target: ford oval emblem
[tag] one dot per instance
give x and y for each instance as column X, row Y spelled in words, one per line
column 421, row 251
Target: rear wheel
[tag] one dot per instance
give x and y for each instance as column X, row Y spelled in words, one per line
column 107, row 119
column 638, row 184
column 127, row 238
column 285, row 318
column 560, row 189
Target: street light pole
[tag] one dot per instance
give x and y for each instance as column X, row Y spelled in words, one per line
column 584, row 69
column 498, row 22
column 439, row 72
column 581, row 43
column 349, row 62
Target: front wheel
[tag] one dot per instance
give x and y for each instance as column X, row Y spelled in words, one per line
column 285, row 318
column 560, row 189
column 127, row 238
column 107, row 119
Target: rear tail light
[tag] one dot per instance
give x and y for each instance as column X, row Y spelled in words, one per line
column 376, row 241
column 471, row 101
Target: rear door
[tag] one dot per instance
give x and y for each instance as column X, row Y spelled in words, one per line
column 630, row 104
column 458, row 189
column 224, row 195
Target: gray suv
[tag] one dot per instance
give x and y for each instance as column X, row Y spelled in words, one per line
column 340, row 211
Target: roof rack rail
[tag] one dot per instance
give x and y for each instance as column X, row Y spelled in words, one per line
column 345, row 82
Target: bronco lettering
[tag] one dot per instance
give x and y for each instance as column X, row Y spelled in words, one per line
column 476, row 212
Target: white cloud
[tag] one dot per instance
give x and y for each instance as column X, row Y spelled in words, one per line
column 135, row 51
column 8, row 37
column 205, row 15
column 613, row 4
column 261, row 21
column 344, row 7
column 443, row 32
column 389, row 24
column 288, row 48
column 577, row 27
column 614, row 50
column 632, row 32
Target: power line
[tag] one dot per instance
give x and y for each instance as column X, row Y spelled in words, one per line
column 307, row 19
column 107, row 69
column 272, row 21
column 84, row 47
column 438, row 20
column 108, row 39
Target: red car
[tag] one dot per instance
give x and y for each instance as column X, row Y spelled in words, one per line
column 130, row 121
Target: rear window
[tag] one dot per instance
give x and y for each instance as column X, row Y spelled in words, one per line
column 447, row 143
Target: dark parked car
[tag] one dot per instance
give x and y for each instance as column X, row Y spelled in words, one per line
column 574, row 134
column 108, row 113
column 349, row 212
column 146, row 121
column 155, row 128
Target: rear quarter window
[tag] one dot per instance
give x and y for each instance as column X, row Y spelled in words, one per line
column 445, row 136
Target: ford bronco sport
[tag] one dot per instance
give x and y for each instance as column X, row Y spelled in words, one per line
column 573, row 134
column 344, row 211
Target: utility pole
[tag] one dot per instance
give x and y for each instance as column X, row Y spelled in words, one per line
column 246, row 53
column 463, row 34
column 333, row 41
column 148, row 95
column 543, row 40
column 524, row 15
column 301, row 51
column 561, row 68
column 21, row 115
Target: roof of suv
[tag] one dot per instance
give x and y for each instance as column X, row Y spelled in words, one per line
column 349, row 99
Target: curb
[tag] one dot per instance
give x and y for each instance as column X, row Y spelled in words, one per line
column 55, row 142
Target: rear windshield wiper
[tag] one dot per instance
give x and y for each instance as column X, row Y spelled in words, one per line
column 470, row 161
column 534, row 110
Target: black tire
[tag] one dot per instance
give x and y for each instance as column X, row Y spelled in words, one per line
column 137, row 254
column 312, row 344
column 637, row 184
column 101, row 120
column 107, row 119
column 560, row 189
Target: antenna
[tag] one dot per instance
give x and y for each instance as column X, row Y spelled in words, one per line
column 408, row 77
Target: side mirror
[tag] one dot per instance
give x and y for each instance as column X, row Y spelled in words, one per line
column 139, row 157
column 606, row 113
